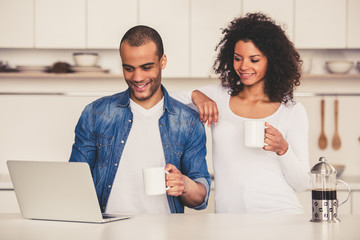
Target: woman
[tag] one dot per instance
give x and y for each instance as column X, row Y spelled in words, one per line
column 259, row 69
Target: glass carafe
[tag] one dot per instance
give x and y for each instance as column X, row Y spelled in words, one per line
column 324, row 194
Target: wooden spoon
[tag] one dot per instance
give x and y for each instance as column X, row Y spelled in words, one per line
column 322, row 138
column 336, row 142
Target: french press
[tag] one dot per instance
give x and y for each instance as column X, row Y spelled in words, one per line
column 324, row 199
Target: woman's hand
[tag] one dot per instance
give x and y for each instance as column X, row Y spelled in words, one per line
column 207, row 108
column 275, row 140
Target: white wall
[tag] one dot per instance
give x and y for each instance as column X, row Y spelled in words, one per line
column 42, row 127
column 110, row 59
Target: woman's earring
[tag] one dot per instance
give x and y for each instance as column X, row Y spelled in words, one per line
column 238, row 82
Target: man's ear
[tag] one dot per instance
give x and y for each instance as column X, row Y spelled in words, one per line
column 163, row 61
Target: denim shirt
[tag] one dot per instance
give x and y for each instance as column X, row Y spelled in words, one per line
column 104, row 126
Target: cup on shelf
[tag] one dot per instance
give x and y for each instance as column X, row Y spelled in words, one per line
column 306, row 65
column 339, row 66
column 85, row 59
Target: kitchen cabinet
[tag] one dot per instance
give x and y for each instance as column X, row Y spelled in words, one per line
column 108, row 20
column 60, row 24
column 320, row 23
column 8, row 202
column 206, row 20
column 16, row 24
column 356, row 202
column 171, row 19
column 353, row 20
column 282, row 11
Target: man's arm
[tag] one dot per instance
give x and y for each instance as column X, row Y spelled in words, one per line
column 83, row 149
column 191, row 193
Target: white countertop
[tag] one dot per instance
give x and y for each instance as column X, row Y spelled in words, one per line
column 184, row 227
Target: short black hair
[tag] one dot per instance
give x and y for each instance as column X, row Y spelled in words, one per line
column 140, row 35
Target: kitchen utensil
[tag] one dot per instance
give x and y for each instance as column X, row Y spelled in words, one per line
column 32, row 68
column 324, row 199
column 254, row 131
column 322, row 138
column 94, row 69
column 60, row 67
column 339, row 67
column 306, row 65
column 339, row 169
column 85, row 59
column 336, row 142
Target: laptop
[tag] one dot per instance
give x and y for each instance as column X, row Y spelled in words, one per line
column 60, row 191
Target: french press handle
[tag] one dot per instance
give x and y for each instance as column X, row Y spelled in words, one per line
column 349, row 191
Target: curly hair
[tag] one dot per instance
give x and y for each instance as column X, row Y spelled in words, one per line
column 284, row 64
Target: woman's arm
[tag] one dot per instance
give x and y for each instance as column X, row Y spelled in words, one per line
column 295, row 161
column 200, row 100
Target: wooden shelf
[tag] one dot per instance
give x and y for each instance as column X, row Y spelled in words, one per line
column 40, row 75
column 331, row 76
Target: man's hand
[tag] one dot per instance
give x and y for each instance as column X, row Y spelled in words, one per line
column 191, row 193
column 207, row 108
column 174, row 180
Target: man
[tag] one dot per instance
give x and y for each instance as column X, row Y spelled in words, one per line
column 143, row 127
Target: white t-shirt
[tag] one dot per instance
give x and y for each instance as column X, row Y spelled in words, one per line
column 249, row 180
column 143, row 149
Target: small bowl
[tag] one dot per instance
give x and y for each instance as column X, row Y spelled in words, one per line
column 339, row 169
column 306, row 65
column 338, row 67
column 85, row 59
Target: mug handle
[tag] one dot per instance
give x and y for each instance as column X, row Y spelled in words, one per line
column 349, row 191
column 168, row 187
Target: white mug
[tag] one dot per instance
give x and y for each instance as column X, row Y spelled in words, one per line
column 154, row 180
column 254, row 133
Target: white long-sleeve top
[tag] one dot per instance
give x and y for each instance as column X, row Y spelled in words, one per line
column 250, row 180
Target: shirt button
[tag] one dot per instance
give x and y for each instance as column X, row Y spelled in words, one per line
column 109, row 186
column 122, row 141
column 115, row 164
column 130, row 120
column 161, row 125
column 166, row 146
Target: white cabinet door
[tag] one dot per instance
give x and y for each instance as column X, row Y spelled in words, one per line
column 60, row 24
column 8, row 202
column 356, row 202
column 108, row 20
column 207, row 19
column 171, row 19
column 282, row 11
column 353, row 20
column 346, row 207
column 16, row 24
column 320, row 24
column 306, row 201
